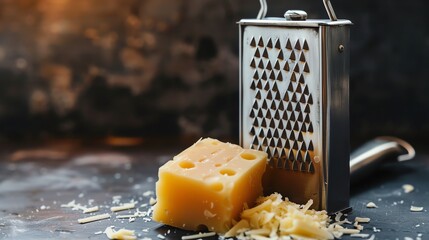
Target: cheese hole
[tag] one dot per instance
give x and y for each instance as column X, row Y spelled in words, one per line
column 186, row 164
column 228, row 172
column 217, row 187
column 248, row 156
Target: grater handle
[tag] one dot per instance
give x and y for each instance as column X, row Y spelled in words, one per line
column 327, row 3
column 369, row 156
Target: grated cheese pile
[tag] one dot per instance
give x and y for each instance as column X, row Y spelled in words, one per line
column 276, row 218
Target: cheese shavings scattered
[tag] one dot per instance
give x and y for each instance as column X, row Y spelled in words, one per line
column 123, row 207
column 416, row 209
column 121, row 234
column 198, row 235
column 408, row 188
column 371, row 205
column 93, row 218
column 91, row 209
column 276, row 218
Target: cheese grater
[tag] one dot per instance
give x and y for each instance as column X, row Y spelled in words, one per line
column 294, row 104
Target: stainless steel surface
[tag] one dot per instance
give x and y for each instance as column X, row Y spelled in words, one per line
column 294, row 106
column 369, row 156
column 328, row 6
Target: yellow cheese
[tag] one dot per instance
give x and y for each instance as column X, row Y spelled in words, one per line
column 207, row 185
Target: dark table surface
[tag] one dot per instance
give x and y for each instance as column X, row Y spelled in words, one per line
column 36, row 181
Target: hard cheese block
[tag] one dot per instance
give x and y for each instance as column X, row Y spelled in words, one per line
column 207, row 185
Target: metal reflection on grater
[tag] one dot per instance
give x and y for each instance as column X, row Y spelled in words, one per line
column 284, row 132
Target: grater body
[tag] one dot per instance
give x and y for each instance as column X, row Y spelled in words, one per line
column 294, row 106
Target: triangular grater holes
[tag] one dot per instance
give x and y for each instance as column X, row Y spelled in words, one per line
column 299, row 157
column 290, row 87
column 268, row 115
column 273, row 106
column 279, row 77
column 280, row 125
column 288, row 126
column 253, row 63
column 257, row 53
column 292, row 56
column 293, row 77
column 310, row 128
column 307, row 108
column 261, row 42
column 255, row 141
column 302, row 99
column 269, row 95
column 265, row 143
column 261, row 133
column 269, row 135
column 277, row 115
column 265, row 53
column 297, row 45
column 255, row 122
column 295, row 145
column 298, row 89
column 292, row 136
column 310, row 100
column 276, row 134
column 252, row 131
column 284, row 136
column 292, row 116
column 289, row 107
column 307, row 157
column 277, row 96
column 296, row 68
column 281, row 105
column 306, row 92
column 288, row 45
column 258, row 84
column 258, row 95
column 252, row 85
column 255, row 105
column 261, row 64
column 291, row 156
column 264, row 105
column 275, row 88
column 301, row 79
column 302, row 57
column 287, row 144
column 277, row 65
column 272, row 124
column 307, row 118
column 252, row 113
column 303, row 147
column 305, row 45
column 285, row 116
column 310, row 168
column 256, row 75
column 300, row 118
column 277, row 44
column 286, row 67
column 280, row 55
column 272, row 75
column 253, row 42
column 296, row 126
column 303, row 128
column 269, row 67
column 286, row 97
column 270, row 43
column 260, row 113
column 267, row 86
column 293, row 99
column 263, row 123
column 300, row 137
column 310, row 146
column 306, row 68
column 264, row 76
column 302, row 167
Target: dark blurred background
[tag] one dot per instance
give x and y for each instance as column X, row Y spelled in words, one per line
column 155, row 68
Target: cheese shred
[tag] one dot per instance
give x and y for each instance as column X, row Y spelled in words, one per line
column 93, row 218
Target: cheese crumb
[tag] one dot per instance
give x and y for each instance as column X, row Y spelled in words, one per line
column 91, row 209
column 125, row 206
column 408, row 188
column 93, row 218
column 152, row 201
column 416, row 209
column 362, row 220
column 371, row 205
column 359, row 235
column 199, row 235
column 121, row 234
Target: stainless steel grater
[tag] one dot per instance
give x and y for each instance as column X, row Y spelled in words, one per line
column 294, row 103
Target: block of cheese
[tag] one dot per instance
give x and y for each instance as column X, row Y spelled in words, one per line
column 207, row 185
